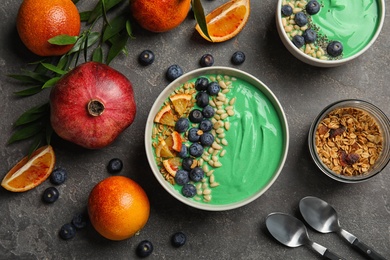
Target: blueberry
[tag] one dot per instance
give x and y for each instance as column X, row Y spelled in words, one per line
column 178, row 239
column 58, row 176
column 298, row 41
column 206, row 125
column 187, row 163
column 195, row 116
column 310, row 36
column 67, row 231
column 238, row 58
column 312, row 7
column 196, row 150
column 80, row 221
column 188, row 190
column 182, row 125
column 287, row 10
column 300, row 19
column 182, row 177
column 206, row 60
column 208, row 111
column 213, row 88
column 334, row 48
column 146, row 57
column 207, row 139
column 50, row 195
column 173, row 72
column 115, row 165
column 194, row 134
column 144, row 248
column 201, row 84
column 202, row 99
column 183, row 152
column 196, row 174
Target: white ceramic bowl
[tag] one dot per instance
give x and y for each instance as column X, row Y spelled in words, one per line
column 283, row 144
column 319, row 62
column 383, row 124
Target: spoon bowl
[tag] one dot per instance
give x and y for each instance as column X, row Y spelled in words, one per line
column 291, row 232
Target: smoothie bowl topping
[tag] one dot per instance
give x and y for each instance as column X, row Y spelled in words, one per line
column 215, row 140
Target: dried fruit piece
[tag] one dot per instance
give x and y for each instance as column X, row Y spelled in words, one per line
column 172, row 165
column 165, row 116
column 180, row 102
column 335, row 132
column 163, row 150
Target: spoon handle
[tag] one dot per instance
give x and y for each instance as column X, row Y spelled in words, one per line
column 366, row 250
column 332, row 256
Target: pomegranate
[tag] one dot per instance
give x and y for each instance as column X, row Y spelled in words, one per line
column 91, row 105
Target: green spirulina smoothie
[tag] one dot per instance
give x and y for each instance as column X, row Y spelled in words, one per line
column 352, row 22
column 255, row 146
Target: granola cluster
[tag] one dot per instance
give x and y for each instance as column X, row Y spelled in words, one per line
column 348, row 141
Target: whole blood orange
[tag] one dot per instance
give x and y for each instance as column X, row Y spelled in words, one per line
column 40, row 20
column 118, row 207
column 161, row 15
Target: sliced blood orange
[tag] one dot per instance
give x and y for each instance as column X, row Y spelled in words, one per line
column 180, row 102
column 174, row 141
column 226, row 21
column 163, row 150
column 172, row 165
column 30, row 171
column 165, row 116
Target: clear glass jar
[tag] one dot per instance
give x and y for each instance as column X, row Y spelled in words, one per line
column 383, row 123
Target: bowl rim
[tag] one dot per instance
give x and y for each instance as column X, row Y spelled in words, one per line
column 181, row 80
column 313, row 128
column 325, row 63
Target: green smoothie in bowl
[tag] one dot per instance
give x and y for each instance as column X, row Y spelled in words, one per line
column 221, row 149
column 332, row 31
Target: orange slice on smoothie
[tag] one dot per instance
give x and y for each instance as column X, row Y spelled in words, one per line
column 163, row 150
column 226, row 21
column 172, row 165
column 180, row 102
column 165, row 116
column 30, row 171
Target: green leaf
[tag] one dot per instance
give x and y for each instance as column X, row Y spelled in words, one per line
column 51, row 82
column 37, row 142
column 63, row 62
column 63, row 39
column 30, row 77
column 84, row 16
column 129, row 29
column 25, row 132
column 53, row 68
column 93, row 37
column 200, row 17
column 97, row 54
column 118, row 46
column 98, row 10
column 29, row 91
column 114, row 27
column 32, row 115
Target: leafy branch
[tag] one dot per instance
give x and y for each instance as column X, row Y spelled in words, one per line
column 113, row 37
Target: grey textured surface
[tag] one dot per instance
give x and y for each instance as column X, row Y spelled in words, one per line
column 29, row 228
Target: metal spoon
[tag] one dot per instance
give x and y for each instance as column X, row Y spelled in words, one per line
column 323, row 217
column 291, row 232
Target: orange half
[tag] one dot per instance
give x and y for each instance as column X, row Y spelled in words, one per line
column 226, row 21
column 30, row 171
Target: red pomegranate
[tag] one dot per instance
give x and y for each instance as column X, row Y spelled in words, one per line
column 91, row 105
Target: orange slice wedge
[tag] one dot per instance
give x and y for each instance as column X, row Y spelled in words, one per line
column 180, row 102
column 165, row 116
column 163, row 150
column 174, row 141
column 226, row 21
column 172, row 165
column 30, row 171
